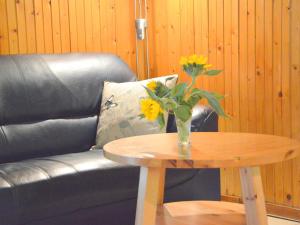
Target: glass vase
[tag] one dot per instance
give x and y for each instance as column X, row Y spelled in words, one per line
column 183, row 132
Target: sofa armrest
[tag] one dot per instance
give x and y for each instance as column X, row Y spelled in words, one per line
column 204, row 119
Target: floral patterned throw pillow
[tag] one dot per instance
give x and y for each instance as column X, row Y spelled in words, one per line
column 120, row 110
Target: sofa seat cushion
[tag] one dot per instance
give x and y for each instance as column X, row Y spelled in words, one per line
column 44, row 187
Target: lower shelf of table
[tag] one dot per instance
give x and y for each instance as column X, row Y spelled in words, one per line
column 201, row 213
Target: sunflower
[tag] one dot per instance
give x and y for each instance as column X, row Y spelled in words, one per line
column 152, row 85
column 150, row 108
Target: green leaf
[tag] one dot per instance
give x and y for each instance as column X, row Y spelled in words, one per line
column 161, row 120
column 213, row 100
column 183, row 112
column 193, row 100
column 161, row 90
column 168, row 104
column 212, row 72
column 152, row 95
column 179, row 89
column 141, row 116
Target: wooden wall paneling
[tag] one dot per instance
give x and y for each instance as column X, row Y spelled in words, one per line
column 268, row 93
column 125, row 33
column 4, row 43
column 260, row 64
column 260, row 71
column 64, row 25
column 235, row 65
column 286, row 112
column 251, row 67
column 88, row 18
column 277, row 82
column 295, row 93
column 30, row 26
column 48, row 26
column 96, row 25
column 73, row 26
column 12, row 27
column 173, row 35
column 56, row 26
column 187, row 42
column 212, row 43
column 81, row 29
column 160, row 36
column 228, row 62
column 108, row 25
column 201, row 35
column 243, row 58
column 219, row 80
column 39, row 26
column 20, row 7
column 235, row 81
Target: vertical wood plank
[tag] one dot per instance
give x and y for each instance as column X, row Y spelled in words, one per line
column 56, row 26
column 12, row 27
column 260, row 64
column 96, row 25
column 80, row 18
column 277, row 88
column 39, row 26
column 201, row 34
column 4, row 39
column 235, row 65
column 212, row 29
column 88, row 25
column 108, row 25
column 20, row 7
column 173, row 41
column 286, row 108
column 48, row 26
column 228, row 62
column 161, row 36
column 73, row 26
column 243, row 57
column 268, row 92
column 187, row 42
column 219, row 80
column 64, row 26
column 30, row 26
column 251, row 67
column 295, row 93
column 125, row 33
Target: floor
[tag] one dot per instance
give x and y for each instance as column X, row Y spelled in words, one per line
column 277, row 221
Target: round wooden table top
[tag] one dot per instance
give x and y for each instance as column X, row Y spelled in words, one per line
column 208, row 150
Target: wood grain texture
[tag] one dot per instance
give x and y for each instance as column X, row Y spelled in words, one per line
column 253, row 196
column 208, row 150
column 201, row 213
column 256, row 42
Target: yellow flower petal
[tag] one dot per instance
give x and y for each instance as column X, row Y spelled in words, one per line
column 183, row 61
column 192, row 59
column 207, row 66
column 150, row 108
column 152, row 85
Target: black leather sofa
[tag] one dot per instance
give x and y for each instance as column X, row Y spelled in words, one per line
column 49, row 175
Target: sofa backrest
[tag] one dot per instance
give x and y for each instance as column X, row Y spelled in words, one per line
column 49, row 104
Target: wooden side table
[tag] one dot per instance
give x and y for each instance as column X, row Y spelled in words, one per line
column 155, row 153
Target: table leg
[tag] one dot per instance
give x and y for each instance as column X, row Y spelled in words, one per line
column 150, row 195
column 253, row 196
